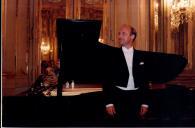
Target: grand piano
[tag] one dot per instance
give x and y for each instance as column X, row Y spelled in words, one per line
column 85, row 60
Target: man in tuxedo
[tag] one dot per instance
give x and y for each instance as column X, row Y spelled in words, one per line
column 125, row 89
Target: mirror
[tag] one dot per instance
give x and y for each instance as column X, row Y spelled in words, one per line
column 50, row 11
column 171, row 27
column 69, row 9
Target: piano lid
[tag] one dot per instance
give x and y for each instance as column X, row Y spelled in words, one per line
column 162, row 67
column 78, row 52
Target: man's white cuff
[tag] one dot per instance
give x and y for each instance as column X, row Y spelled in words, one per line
column 109, row 105
column 145, row 105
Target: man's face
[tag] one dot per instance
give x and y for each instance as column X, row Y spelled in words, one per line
column 124, row 36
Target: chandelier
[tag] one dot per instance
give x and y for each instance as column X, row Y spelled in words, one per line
column 180, row 12
column 45, row 47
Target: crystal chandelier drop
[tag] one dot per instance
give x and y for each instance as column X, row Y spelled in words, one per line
column 180, row 12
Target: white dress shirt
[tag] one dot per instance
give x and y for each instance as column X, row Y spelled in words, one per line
column 128, row 53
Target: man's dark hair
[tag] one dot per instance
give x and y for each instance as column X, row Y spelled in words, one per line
column 133, row 32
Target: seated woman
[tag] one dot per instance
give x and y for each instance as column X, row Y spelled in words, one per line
column 50, row 79
column 46, row 82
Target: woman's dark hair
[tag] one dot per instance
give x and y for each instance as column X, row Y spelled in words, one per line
column 44, row 65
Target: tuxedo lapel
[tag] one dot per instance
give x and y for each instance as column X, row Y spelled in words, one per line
column 122, row 72
column 123, row 61
column 138, row 67
column 136, row 59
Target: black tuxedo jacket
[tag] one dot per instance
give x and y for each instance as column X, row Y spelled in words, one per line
column 117, row 74
column 147, row 67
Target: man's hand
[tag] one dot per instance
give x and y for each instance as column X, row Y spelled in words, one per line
column 111, row 110
column 143, row 111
